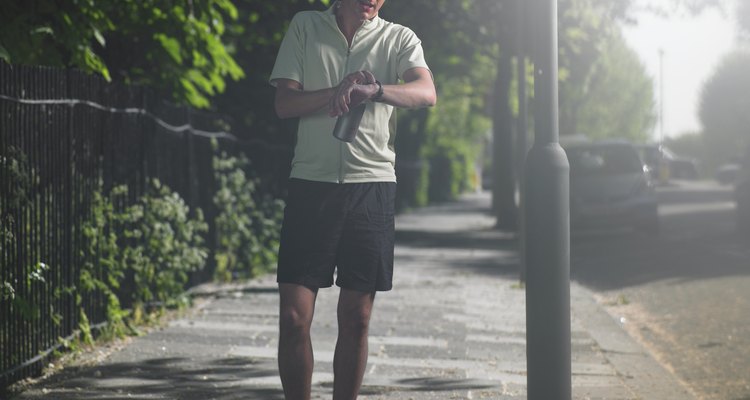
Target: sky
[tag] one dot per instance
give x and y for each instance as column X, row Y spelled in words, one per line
column 693, row 47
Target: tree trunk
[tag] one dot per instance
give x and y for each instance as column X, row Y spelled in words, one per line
column 503, row 169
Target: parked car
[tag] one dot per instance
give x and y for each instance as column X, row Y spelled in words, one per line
column 610, row 187
column 664, row 165
column 680, row 167
column 729, row 173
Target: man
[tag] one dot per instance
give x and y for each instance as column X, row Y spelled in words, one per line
column 340, row 208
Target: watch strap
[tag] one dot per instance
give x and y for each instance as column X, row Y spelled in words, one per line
column 379, row 95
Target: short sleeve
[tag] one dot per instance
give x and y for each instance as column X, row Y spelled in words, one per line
column 289, row 61
column 410, row 54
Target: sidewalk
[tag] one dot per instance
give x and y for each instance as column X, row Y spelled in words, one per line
column 452, row 328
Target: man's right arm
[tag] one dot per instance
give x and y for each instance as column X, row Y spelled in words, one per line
column 292, row 101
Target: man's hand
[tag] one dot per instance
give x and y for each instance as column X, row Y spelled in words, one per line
column 355, row 89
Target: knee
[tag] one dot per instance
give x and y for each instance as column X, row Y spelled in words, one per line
column 294, row 323
column 354, row 322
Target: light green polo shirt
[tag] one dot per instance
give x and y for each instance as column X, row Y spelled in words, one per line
column 315, row 53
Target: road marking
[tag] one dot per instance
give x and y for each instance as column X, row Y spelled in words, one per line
column 408, row 341
column 222, row 326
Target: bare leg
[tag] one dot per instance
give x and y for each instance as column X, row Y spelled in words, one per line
column 295, row 348
column 350, row 359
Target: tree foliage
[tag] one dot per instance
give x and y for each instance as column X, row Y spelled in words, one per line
column 189, row 49
column 460, row 51
column 174, row 46
column 689, row 144
column 619, row 101
column 743, row 20
column 590, row 48
column 595, row 61
column 460, row 43
column 254, row 37
column 723, row 109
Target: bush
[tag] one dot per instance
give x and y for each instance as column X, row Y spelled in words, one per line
column 248, row 225
column 162, row 244
column 102, row 268
column 451, row 171
column 438, row 147
column 21, row 177
column 153, row 244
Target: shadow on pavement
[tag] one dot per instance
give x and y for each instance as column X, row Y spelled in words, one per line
column 189, row 379
column 175, row 378
column 480, row 251
column 694, row 245
column 481, row 239
column 428, row 384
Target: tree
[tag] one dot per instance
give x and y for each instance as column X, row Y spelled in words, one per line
column 619, row 101
column 173, row 46
column 438, row 147
column 689, row 144
column 723, row 109
column 585, row 29
column 254, row 38
column 743, row 20
column 592, row 61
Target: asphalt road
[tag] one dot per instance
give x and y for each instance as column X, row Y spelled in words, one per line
column 684, row 293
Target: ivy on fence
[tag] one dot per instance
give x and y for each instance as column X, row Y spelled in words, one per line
column 155, row 243
column 81, row 256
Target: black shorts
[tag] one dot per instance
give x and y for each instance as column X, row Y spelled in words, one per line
column 344, row 227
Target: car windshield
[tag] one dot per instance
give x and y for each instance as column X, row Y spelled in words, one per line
column 603, row 160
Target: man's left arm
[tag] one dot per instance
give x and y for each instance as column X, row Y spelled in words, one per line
column 418, row 90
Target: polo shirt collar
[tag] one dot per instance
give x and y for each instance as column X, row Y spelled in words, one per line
column 366, row 26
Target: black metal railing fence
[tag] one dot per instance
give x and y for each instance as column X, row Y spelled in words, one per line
column 65, row 134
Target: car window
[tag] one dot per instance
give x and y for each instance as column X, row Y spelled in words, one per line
column 604, row 160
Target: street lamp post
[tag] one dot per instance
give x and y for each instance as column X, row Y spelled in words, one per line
column 522, row 126
column 547, row 233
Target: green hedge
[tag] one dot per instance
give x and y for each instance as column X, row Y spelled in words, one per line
column 248, row 224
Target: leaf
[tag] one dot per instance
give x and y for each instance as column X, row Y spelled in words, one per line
column 228, row 7
column 67, row 19
column 4, row 54
column 98, row 36
column 199, row 60
column 27, row 309
column 43, row 29
column 192, row 94
column 8, row 292
column 171, row 45
column 95, row 63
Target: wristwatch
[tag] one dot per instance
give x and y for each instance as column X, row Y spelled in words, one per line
column 379, row 95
